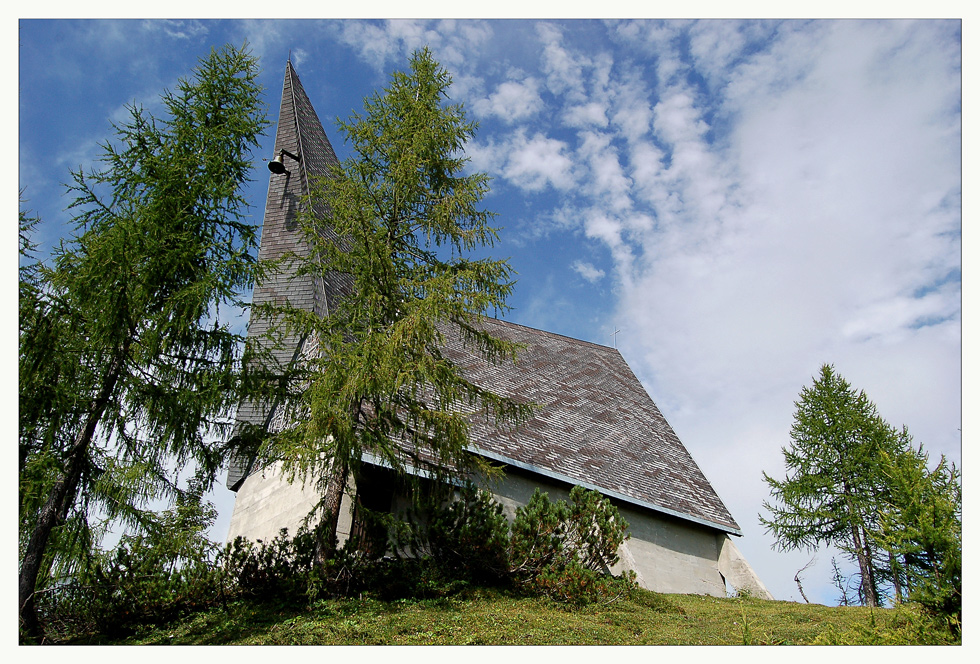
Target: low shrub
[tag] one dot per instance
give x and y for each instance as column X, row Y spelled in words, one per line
column 281, row 567
column 446, row 543
column 442, row 546
column 148, row 578
column 906, row 624
column 463, row 537
column 566, row 550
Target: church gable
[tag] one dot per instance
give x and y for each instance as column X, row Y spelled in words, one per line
column 596, row 426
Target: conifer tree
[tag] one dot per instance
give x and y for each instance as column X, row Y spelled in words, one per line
column 411, row 229
column 834, row 476
column 921, row 530
column 127, row 369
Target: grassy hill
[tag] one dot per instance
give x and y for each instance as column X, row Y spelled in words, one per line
column 490, row 617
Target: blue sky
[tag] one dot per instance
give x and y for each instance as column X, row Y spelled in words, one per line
column 743, row 200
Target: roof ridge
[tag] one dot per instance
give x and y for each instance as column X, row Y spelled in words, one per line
column 554, row 334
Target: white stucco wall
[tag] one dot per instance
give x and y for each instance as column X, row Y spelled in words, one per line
column 737, row 571
column 266, row 503
column 670, row 556
column 667, row 554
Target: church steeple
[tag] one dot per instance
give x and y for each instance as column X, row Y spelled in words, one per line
column 306, row 154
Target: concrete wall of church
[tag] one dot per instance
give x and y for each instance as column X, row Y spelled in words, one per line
column 737, row 571
column 266, row 503
column 667, row 555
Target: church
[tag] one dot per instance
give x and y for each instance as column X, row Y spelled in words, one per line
column 596, row 426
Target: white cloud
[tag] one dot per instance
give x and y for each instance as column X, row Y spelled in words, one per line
column 455, row 43
column 381, row 44
column 658, row 39
column 604, row 227
column 563, row 219
column 511, row 101
column 610, row 230
column 677, row 120
column 530, row 164
column 376, row 42
column 537, row 162
column 485, row 157
column 827, row 196
column 718, row 45
column 898, row 315
column 697, row 177
column 409, row 33
column 176, row 29
column 265, row 38
column 607, row 182
column 633, row 114
column 588, row 271
column 586, row 115
column 563, row 70
column 648, row 174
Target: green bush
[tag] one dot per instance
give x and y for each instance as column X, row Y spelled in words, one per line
column 921, row 528
column 566, row 550
column 148, row 578
column 441, row 547
column 297, row 570
column 464, row 537
column 908, row 624
column 263, row 569
column 446, row 543
column 536, row 536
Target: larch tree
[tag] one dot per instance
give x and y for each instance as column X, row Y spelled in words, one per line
column 127, row 370
column 411, row 230
column 834, row 476
column 921, row 530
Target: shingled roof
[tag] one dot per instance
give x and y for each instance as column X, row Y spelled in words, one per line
column 596, row 426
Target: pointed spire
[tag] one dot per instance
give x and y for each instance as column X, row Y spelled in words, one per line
column 307, row 153
column 317, row 154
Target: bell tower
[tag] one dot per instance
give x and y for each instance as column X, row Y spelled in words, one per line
column 301, row 152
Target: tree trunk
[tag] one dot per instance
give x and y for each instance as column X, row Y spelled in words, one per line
column 864, row 561
column 56, row 507
column 332, row 500
column 869, row 556
column 896, row 577
column 867, row 583
column 51, row 515
column 800, row 586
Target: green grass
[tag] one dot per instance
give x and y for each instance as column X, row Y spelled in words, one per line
column 490, row 617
